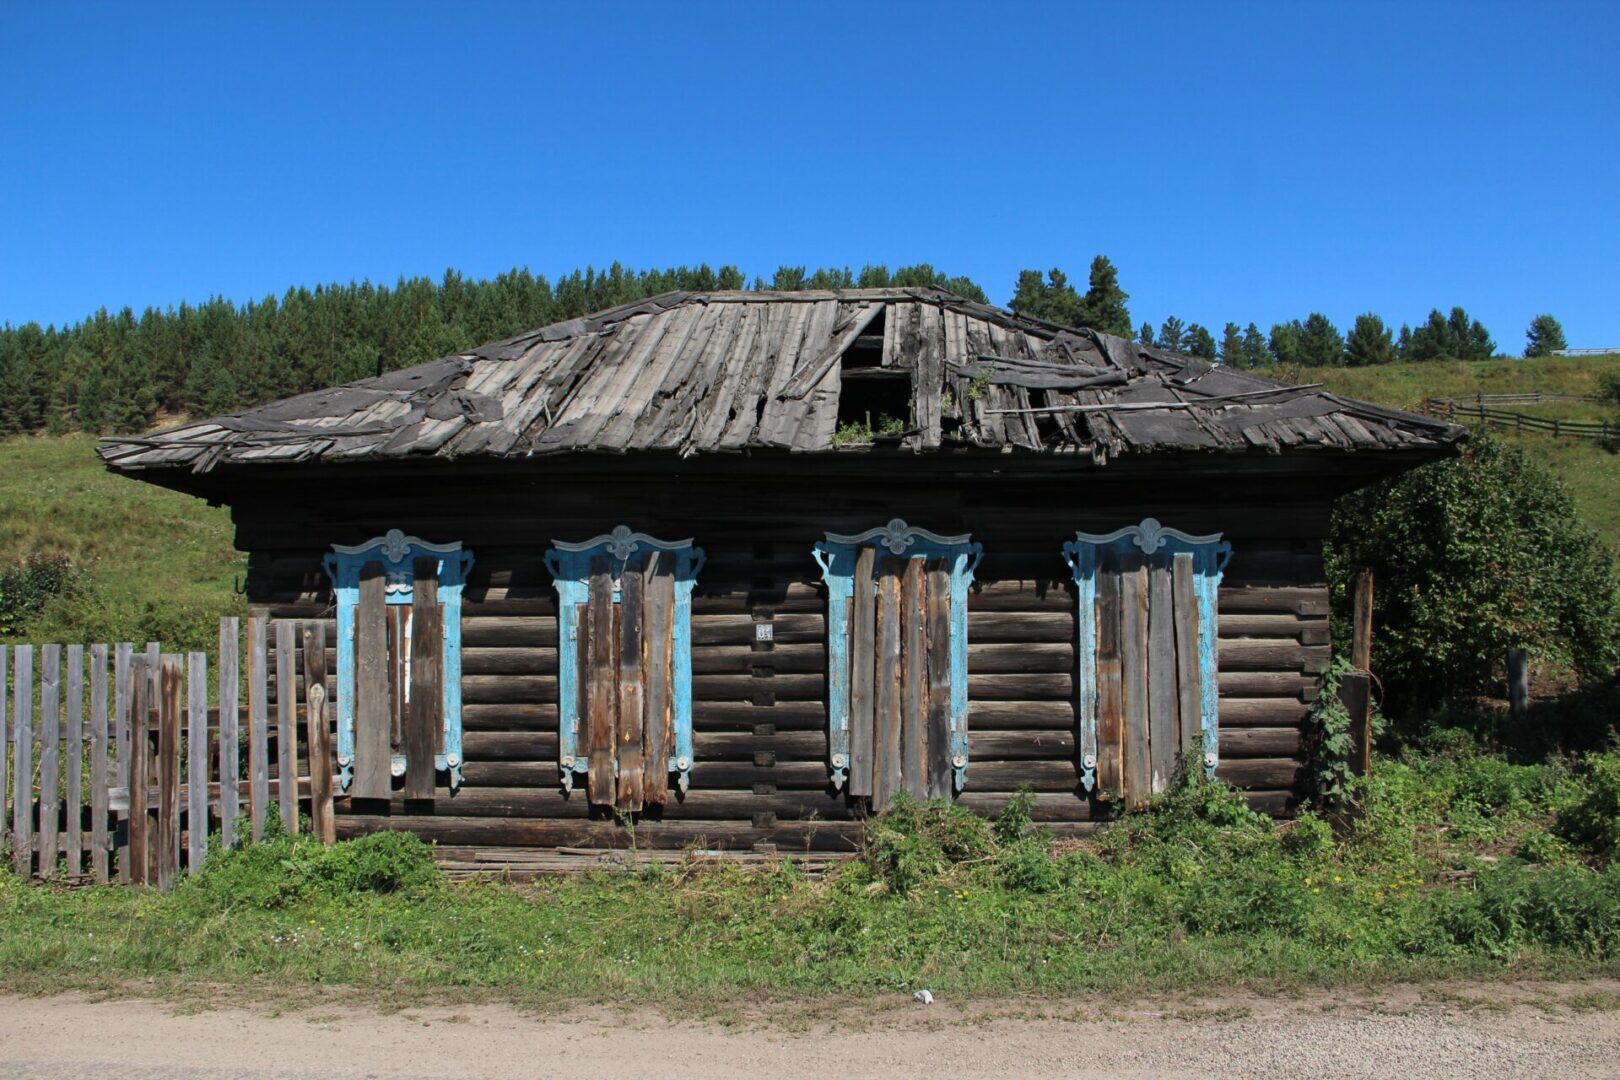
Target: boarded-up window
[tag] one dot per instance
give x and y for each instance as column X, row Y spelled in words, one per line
column 398, row 663
column 897, row 661
column 625, row 665
column 1148, row 696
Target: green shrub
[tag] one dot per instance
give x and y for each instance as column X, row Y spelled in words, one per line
column 1609, row 383
column 285, row 870
column 1473, row 556
column 28, row 586
column 912, row 842
column 1593, row 821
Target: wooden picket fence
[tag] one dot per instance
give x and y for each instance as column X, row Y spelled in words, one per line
column 130, row 789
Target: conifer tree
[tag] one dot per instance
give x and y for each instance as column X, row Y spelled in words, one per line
column 1255, row 352
column 1199, row 342
column 1545, row 336
column 1369, row 342
column 1172, row 334
column 1232, row 346
column 1103, row 307
column 1285, row 342
column 1144, row 336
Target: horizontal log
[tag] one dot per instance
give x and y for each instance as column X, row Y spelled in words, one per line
column 1262, row 712
column 1238, row 624
column 1296, row 601
column 1261, row 742
column 1263, row 654
column 1022, row 627
column 1271, row 773
column 1267, row 684
column 1021, row 658
column 446, row 829
column 481, row 746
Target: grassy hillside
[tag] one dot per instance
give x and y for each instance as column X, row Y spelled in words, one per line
column 1591, row 472
column 154, row 565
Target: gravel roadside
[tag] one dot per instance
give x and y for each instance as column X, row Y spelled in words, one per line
column 1488, row 1030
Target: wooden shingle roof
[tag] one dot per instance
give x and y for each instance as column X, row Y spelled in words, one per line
column 704, row 373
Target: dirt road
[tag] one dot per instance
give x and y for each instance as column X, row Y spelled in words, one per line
column 1520, row 1030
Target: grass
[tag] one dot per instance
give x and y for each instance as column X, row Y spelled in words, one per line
column 154, row 564
column 1456, row 866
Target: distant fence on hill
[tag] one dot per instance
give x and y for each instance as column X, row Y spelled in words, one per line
column 1586, row 352
column 135, row 783
column 1475, row 409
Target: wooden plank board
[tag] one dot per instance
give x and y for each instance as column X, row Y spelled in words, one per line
column 913, row 679
column 425, row 720
column 171, row 675
column 5, row 743
column 73, row 761
column 318, row 734
column 196, row 761
column 100, row 778
column 658, row 674
column 630, row 733
column 941, row 774
column 286, row 729
column 1188, row 675
column 123, row 687
column 1133, row 663
column 50, row 761
column 862, row 665
column 1110, row 684
column 22, row 761
column 229, row 737
column 888, row 704
column 136, row 866
column 373, row 715
column 1164, row 719
column 601, row 700
column 258, row 650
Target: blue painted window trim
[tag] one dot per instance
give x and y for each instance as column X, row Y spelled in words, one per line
column 1210, row 555
column 570, row 566
column 836, row 557
column 398, row 554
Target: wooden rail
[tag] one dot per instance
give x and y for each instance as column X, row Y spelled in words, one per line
column 66, row 784
column 1518, row 421
column 1534, row 397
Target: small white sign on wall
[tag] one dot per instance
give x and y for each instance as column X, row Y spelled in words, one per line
column 764, row 631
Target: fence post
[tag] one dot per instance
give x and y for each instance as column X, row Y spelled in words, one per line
column 229, row 758
column 5, row 741
column 136, row 866
column 1361, row 642
column 196, row 761
column 286, row 727
column 124, row 679
column 168, row 840
column 50, row 760
column 319, row 736
column 1518, row 661
column 258, row 725
column 74, row 741
column 100, row 780
column 22, row 760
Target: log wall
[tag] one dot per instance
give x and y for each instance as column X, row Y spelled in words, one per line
column 759, row 715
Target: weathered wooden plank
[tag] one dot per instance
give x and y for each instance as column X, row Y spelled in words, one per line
column 230, row 700
column 196, row 761
column 100, row 778
column 601, row 700
column 318, row 733
column 50, row 761
column 73, row 762
column 1110, row 681
column 888, row 705
column 914, row 679
column 1187, row 662
column 1134, row 696
column 630, row 789
column 1164, row 713
column 122, row 688
column 136, row 866
column 374, row 708
column 862, row 667
column 171, row 674
column 658, row 674
column 941, row 775
column 425, row 720
column 258, row 646
column 22, row 761
column 286, row 723
column 5, row 743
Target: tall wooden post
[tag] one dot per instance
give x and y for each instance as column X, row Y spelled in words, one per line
column 1361, row 638
column 1518, row 661
column 1355, row 689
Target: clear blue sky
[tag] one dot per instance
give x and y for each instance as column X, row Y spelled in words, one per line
column 1244, row 161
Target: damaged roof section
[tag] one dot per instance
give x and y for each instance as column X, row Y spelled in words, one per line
column 702, row 373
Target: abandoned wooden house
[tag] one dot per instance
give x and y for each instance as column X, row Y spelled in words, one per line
column 742, row 566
